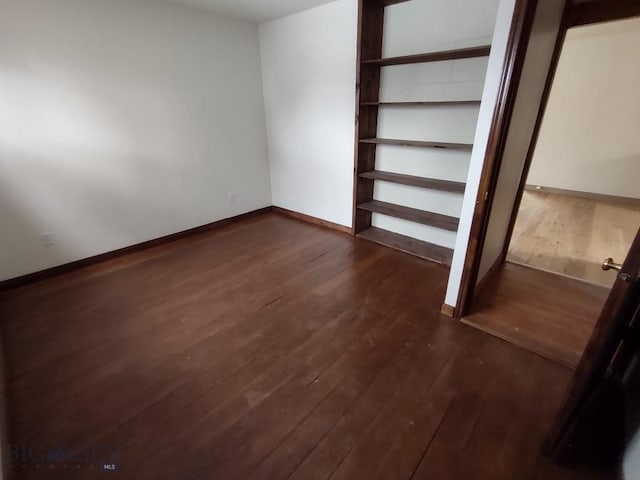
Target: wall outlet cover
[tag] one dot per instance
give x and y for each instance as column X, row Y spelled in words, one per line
column 47, row 239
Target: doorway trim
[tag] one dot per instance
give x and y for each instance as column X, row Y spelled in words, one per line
column 521, row 28
column 599, row 11
column 574, row 15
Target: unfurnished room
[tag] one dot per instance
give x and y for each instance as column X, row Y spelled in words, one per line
column 320, row 239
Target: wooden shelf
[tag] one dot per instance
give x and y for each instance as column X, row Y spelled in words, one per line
column 471, row 52
column 437, row 103
column 422, row 182
column 421, row 249
column 418, row 143
column 412, row 214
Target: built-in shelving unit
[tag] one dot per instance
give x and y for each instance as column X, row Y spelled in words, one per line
column 370, row 64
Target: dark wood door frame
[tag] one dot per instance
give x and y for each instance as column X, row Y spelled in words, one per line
column 575, row 15
column 608, row 353
column 599, row 11
column 517, row 45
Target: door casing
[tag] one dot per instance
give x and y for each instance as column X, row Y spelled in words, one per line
column 575, row 14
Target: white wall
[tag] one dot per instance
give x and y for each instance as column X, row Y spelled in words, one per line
column 122, row 121
column 309, row 68
column 589, row 138
column 631, row 462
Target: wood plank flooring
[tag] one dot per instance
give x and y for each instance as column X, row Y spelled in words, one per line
column 540, row 311
column 269, row 349
column 572, row 236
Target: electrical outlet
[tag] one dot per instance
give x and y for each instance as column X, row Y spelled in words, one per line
column 47, row 239
column 231, row 197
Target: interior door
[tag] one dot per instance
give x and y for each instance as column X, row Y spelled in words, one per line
column 606, row 356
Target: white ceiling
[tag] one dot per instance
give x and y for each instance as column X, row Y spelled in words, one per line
column 257, row 10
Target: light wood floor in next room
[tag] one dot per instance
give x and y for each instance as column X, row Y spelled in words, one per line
column 572, row 236
column 272, row 349
column 548, row 296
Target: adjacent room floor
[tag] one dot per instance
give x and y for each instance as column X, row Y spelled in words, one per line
column 549, row 314
column 572, row 236
column 271, row 349
column 549, row 294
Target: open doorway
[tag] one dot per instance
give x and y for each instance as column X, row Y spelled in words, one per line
column 581, row 200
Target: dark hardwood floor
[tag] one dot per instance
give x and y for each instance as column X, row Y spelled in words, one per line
column 270, row 349
column 544, row 312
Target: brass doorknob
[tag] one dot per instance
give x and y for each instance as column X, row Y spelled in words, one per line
column 609, row 264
